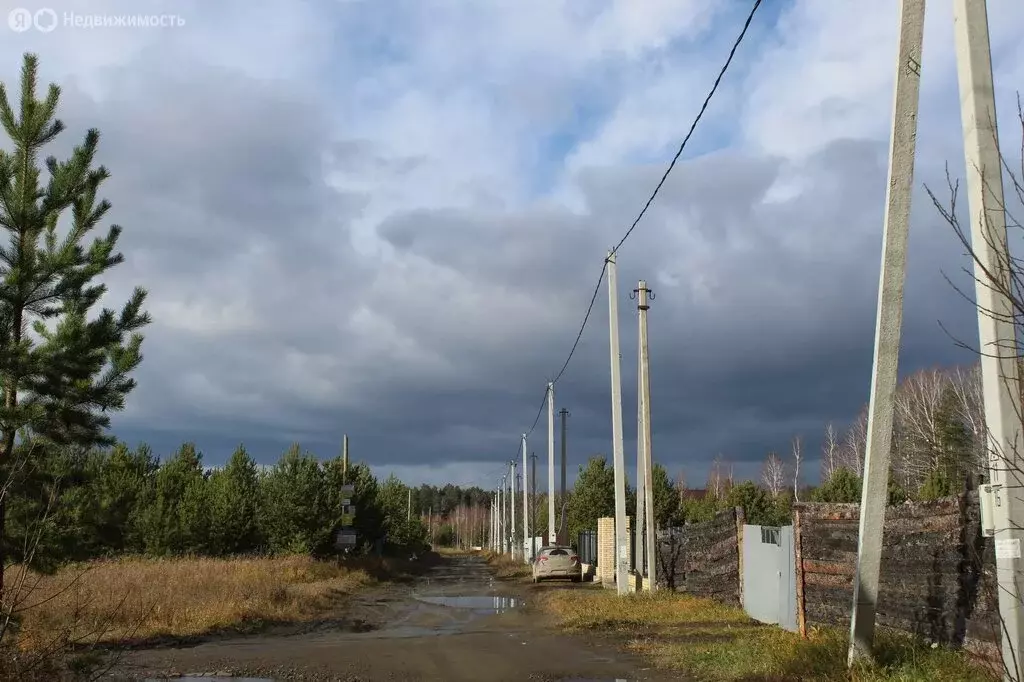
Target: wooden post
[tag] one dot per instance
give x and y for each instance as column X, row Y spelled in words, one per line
column 801, row 607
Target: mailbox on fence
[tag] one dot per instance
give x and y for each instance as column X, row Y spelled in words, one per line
column 346, row 535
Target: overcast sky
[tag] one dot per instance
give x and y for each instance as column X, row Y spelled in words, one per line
column 385, row 217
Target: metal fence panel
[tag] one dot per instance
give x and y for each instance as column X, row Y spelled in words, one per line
column 587, row 547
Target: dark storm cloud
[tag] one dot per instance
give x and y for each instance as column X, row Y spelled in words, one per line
column 784, row 345
column 430, row 344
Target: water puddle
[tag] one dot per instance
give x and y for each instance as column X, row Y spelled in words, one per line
column 477, row 604
column 210, row 678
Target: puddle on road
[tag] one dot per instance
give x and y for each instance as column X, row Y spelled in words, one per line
column 208, row 678
column 475, row 603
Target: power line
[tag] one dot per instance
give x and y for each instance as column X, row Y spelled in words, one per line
column 693, row 126
column 586, row 318
column 650, row 200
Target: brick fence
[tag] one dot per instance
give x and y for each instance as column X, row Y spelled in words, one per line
column 704, row 559
column 937, row 574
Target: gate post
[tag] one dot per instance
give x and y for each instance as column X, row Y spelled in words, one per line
column 741, row 520
column 801, row 614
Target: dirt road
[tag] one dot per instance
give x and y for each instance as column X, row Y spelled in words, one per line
column 455, row 623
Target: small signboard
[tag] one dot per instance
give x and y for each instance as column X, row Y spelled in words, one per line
column 346, row 537
column 348, row 519
column 348, row 490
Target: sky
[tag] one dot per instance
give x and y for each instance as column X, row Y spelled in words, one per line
column 385, row 218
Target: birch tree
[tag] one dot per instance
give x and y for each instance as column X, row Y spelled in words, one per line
column 829, row 452
column 774, row 475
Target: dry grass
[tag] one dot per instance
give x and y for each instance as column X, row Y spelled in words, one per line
column 716, row 643
column 139, row 599
column 507, row 568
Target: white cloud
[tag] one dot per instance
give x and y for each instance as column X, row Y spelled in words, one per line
column 335, row 205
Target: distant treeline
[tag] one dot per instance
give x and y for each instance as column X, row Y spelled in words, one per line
column 68, row 504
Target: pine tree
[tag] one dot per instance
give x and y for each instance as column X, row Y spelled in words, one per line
column 593, row 496
column 62, row 371
column 292, row 505
column 233, row 494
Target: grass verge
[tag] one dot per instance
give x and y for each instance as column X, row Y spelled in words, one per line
column 135, row 600
column 716, row 643
column 507, row 568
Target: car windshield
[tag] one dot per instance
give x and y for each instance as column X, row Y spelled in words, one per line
column 559, row 552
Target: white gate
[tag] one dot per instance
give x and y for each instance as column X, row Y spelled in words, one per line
column 769, row 575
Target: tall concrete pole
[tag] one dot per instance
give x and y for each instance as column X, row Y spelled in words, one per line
column 501, row 516
column 526, row 508
column 638, row 536
column 344, row 459
column 512, row 509
column 996, row 335
column 563, row 522
column 551, row 464
column 874, row 495
column 533, row 506
column 645, row 429
column 621, row 536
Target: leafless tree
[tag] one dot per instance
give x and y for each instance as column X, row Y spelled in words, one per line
column 797, row 457
column 717, row 478
column 829, row 452
column 851, row 454
column 681, row 486
column 966, row 386
column 774, row 474
column 917, row 403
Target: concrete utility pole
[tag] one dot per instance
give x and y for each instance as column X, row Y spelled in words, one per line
column 641, row 480
column 533, row 507
column 644, row 438
column 494, row 522
column 551, row 464
column 874, row 495
column 512, row 509
column 344, row 459
column 526, row 509
column 621, row 536
column 996, row 335
column 563, row 522
column 501, row 516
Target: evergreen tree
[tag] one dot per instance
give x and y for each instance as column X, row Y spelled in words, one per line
column 162, row 524
column 233, row 494
column 955, row 449
column 62, row 371
column 758, row 506
column 666, row 498
column 292, row 511
column 842, row 486
column 122, row 481
column 394, row 502
column 369, row 521
column 593, row 496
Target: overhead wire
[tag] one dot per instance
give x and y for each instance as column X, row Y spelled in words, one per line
column 693, row 126
column 650, row 200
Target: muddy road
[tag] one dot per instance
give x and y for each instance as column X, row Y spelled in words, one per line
column 454, row 623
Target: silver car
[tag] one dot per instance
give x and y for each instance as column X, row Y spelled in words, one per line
column 557, row 561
